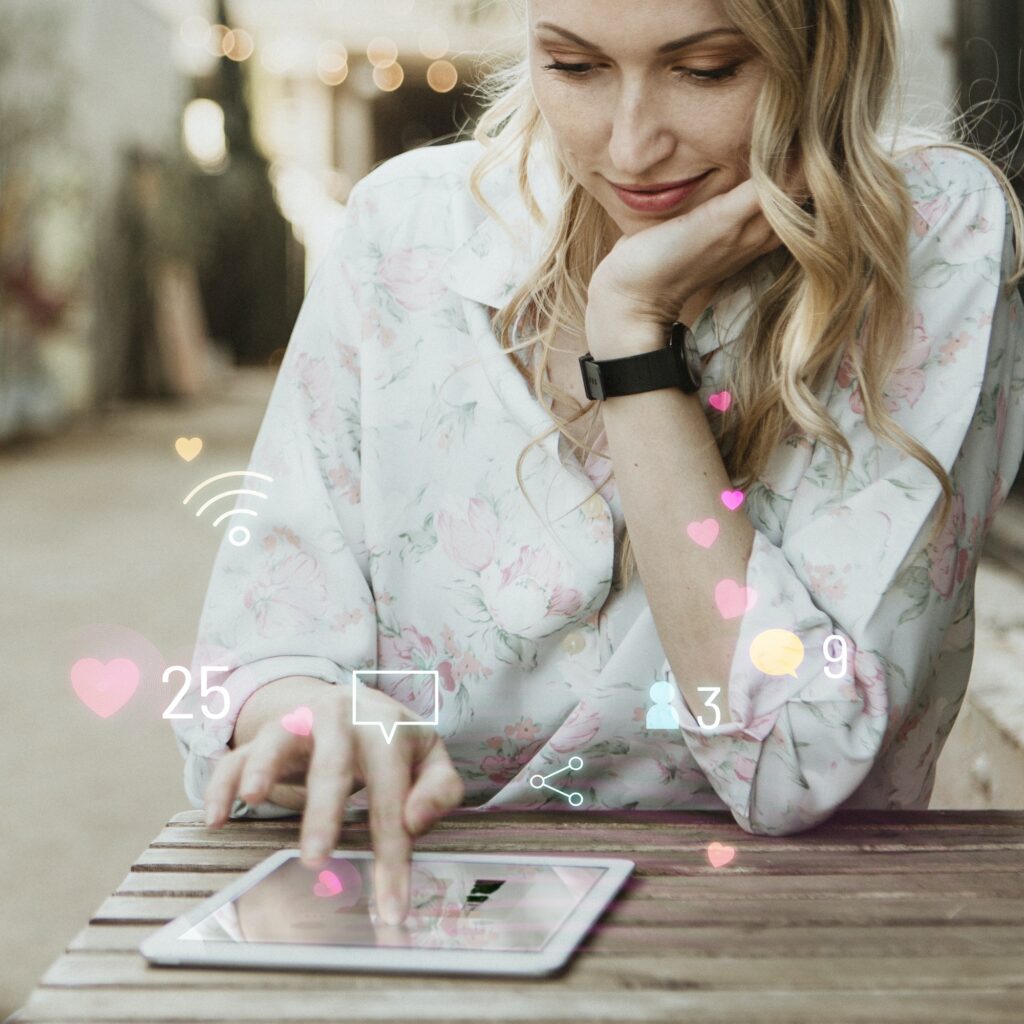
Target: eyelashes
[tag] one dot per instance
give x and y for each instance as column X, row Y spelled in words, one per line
column 710, row 75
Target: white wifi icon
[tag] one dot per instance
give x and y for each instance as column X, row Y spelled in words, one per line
column 238, row 535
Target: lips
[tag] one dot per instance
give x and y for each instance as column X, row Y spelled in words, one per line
column 661, row 200
column 669, row 186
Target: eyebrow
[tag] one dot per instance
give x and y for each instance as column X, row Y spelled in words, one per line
column 676, row 44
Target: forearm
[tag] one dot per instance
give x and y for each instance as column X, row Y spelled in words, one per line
column 669, row 473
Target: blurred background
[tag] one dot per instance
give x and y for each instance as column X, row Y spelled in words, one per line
column 170, row 173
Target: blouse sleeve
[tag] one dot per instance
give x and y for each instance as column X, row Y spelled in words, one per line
column 295, row 599
column 858, row 567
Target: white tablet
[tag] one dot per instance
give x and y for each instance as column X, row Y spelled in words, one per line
column 471, row 913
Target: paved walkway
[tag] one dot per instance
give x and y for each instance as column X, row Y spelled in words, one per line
column 94, row 532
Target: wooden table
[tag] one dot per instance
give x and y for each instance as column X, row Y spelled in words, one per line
column 873, row 917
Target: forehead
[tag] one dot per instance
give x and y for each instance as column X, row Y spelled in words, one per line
column 634, row 25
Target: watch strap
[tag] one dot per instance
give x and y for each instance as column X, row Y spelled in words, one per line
column 645, row 371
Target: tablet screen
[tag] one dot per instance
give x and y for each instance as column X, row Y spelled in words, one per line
column 454, row 905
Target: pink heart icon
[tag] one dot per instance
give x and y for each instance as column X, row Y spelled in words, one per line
column 299, row 722
column 732, row 599
column 703, row 533
column 719, row 854
column 104, row 689
column 720, row 400
column 329, row 884
column 732, row 499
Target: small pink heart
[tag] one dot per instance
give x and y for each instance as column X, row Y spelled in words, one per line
column 732, row 599
column 104, row 689
column 720, row 400
column 703, row 533
column 732, row 499
column 299, row 722
column 328, row 885
column 719, row 854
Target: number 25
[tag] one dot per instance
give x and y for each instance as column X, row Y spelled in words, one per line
column 205, row 689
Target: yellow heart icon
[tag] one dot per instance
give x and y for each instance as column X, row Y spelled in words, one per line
column 188, row 447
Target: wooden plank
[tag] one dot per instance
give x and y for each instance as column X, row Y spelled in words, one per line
column 90, row 970
column 538, row 1003
column 481, row 835
column 933, row 910
column 719, row 887
column 652, row 861
column 843, row 819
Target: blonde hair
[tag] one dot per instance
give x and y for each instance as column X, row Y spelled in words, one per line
column 831, row 69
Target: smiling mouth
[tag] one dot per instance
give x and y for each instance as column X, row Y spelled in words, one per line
column 655, row 189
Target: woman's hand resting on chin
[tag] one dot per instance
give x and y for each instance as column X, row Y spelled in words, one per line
column 648, row 277
column 410, row 781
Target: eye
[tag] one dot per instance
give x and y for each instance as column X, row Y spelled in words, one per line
column 698, row 75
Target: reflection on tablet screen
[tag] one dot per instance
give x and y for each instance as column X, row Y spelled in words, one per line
column 486, row 906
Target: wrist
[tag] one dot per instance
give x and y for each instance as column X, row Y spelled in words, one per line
column 275, row 699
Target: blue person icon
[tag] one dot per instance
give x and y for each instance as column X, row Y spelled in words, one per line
column 661, row 714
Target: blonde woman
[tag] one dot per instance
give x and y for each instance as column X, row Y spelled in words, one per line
column 784, row 526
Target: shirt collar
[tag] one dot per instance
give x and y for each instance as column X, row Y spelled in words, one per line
column 487, row 265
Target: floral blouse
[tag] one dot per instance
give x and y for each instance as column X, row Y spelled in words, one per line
column 394, row 535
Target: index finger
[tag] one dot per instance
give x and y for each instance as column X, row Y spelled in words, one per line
column 388, row 780
column 328, row 785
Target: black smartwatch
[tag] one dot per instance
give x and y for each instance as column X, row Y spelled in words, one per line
column 663, row 368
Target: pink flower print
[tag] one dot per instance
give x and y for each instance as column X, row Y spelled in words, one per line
column 384, row 597
column 495, row 743
column 411, row 275
column 346, row 619
column 373, row 327
column 523, row 731
column 869, row 684
column 744, row 767
column 444, row 440
column 348, row 357
column 577, row 730
column 448, row 639
column 447, row 676
column 947, row 568
column 281, row 534
column 415, row 692
column 469, row 664
column 410, row 648
column 469, row 542
column 289, row 597
column 502, row 767
column 947, row 354
column 529, row 591
column 964, row 241
column 907, row 381
column 921, row 161
column 929, row 213
column 342, row 478
column 827, row 580
column 311, row 376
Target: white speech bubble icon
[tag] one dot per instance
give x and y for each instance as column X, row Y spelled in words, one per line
column 389, row 734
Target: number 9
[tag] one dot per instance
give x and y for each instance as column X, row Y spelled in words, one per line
column 835, row 659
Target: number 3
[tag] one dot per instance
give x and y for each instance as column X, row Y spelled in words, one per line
column 710, row 703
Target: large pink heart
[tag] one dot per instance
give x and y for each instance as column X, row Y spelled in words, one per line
column 719, row 854
column 703, row 533
column 104, row 689
column 720, row 400
column 732, row 599
column 299, row 722
column 732, row 499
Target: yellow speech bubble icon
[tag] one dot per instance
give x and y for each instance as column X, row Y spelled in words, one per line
column 777, row 652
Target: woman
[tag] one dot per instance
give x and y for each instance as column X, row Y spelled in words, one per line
column 805, row 527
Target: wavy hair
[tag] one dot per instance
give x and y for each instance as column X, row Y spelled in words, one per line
column 832, row 71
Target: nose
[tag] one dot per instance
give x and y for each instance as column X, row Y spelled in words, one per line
column 641, row 134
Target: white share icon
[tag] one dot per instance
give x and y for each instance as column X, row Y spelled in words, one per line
column 389, row 733
column 575, row 798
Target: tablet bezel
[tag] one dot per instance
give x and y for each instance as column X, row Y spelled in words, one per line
column 165, row 947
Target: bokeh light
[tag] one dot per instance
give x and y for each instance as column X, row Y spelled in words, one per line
column 382, row 52
column 389, row 77
column 238, row 45
column 203, row 133
column 442, row 76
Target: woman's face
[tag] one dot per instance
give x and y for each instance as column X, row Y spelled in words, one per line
column 646, row 107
